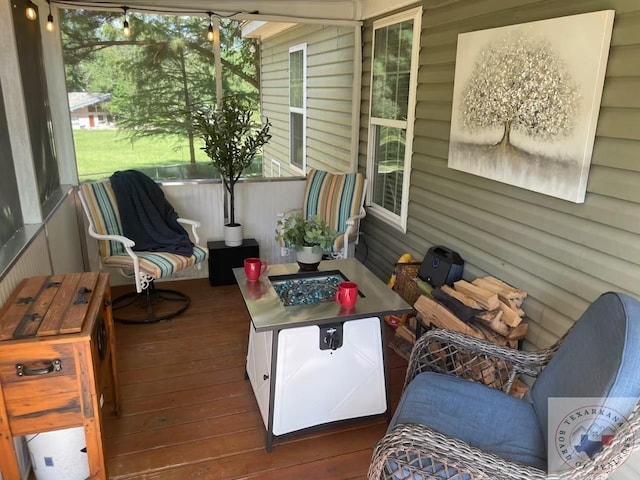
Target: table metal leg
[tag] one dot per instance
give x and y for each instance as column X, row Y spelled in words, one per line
column 272, row 388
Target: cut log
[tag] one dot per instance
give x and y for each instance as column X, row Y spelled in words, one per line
column 488, row 300
column 518, row 388
column 406, row 333
column 519, row 332
column 494, row 321
column 513, row 293
column 413, row 321
column 439, row 357
column 493, row 336
column 433, row 313
column 503, row 371
column 507, row 295
column 468, row 301
column 513, row 344
column 510, row 316
column 477, row 369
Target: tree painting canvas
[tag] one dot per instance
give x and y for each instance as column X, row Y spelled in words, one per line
column 526, row 101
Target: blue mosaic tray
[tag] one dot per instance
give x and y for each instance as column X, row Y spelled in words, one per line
column 307, row 291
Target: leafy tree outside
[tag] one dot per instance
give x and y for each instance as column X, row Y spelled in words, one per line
column 159, row 74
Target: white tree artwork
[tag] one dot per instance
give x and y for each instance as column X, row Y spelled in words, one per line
column 526, row 101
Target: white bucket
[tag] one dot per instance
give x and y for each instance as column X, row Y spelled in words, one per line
column 59, row 455
column 22, row 454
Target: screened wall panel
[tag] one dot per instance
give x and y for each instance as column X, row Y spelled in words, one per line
column 36, row 100
column 330, row 53
column 10, row 213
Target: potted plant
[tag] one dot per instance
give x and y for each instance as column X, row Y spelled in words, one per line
column 231, row 142
column 308, row 237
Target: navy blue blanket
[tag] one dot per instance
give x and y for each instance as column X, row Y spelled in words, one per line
column 147, row 217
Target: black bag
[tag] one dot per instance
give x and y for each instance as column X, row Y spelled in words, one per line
column 441, row 266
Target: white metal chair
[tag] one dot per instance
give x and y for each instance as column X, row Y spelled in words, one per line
column 101, row 208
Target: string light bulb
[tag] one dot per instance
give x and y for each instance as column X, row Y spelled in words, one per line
column 125, row 24
column 31, row 11
column 210, row 34
column 50, row 26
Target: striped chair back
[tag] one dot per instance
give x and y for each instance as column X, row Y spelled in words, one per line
column 105, row 219
column 334, row 197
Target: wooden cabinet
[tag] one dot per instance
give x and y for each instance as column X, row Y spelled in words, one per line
column 57, row 363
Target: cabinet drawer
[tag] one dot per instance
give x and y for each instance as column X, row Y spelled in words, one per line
column 35, row 356
column 39, row 393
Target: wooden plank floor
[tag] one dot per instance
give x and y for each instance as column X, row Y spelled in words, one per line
column 188, row 412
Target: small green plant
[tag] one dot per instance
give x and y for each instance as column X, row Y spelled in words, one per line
column 296, row 232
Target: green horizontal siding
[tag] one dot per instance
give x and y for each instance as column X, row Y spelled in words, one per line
column 330, row 53
column 564, row 254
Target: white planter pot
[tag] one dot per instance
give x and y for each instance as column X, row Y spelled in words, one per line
column 233, row 235
column 309, row 257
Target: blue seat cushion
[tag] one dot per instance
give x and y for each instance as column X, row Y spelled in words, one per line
column 480, row 416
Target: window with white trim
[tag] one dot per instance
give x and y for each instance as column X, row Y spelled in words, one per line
column 394, row 71
column 298, row 106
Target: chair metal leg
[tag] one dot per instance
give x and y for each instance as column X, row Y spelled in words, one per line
column 150, row 306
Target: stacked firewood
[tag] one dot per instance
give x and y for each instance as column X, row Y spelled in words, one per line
column 498, row 317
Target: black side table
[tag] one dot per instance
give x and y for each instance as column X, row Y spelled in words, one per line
column 223, row 259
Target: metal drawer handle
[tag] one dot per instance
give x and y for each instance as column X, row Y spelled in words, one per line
column 54, row 366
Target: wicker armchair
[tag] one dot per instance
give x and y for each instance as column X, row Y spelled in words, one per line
column 417, row 450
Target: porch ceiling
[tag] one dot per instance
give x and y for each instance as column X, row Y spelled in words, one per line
column 308, row 11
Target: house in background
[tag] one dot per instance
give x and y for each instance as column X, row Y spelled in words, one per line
column 308, row 90
column 88, row 110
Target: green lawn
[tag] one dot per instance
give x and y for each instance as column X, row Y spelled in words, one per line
column 101, row 152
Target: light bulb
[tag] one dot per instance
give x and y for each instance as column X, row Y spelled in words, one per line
column 31, row 11
column 126, row 31
column 50, row 27
column 210, row 35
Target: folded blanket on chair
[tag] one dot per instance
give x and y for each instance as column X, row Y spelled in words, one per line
column 147, row 217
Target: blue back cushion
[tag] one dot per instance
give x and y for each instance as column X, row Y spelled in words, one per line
column 599, row 358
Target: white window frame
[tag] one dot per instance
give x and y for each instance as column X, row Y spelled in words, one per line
column 300, row 110
column 399, row 221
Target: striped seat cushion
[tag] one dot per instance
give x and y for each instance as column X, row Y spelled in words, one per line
column 334, row 197
column 158, row 264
